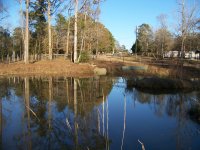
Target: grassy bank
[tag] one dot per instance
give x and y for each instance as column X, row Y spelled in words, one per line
column 56, row 67
column 114, row 67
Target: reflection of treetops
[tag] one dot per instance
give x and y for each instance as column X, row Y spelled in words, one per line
column 194, row 111
column 4, row 88
column 176, row 105
column 89, row 93
column 50, row 128
column 10, row 83
column 156, row 85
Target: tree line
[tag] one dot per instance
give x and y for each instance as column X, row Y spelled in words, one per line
column 75, row 33
column 185, row 37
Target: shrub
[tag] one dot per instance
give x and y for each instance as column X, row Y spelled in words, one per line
column 84, row 56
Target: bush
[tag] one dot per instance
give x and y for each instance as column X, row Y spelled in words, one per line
column 84, row 56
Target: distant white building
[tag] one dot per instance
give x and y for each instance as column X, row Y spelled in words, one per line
column 189, row 55
column 192, row 54
column 171, row 54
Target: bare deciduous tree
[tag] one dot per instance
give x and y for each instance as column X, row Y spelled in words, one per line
column 49, row 30
column 3, row 11
column 51, row 9
column 75, row 30
column 68, row 30
column 22, row 23
column 187, row 21
column 163, row 37
column 26, row 43
column 97, row 13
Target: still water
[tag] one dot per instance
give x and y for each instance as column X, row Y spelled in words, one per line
column 94, row 114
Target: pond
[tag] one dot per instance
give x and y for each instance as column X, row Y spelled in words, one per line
column 97, row 113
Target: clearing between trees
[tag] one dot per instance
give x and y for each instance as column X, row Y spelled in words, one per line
column 115, row 66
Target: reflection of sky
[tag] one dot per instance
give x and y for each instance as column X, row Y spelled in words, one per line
column 13, row 109
column 145, row 123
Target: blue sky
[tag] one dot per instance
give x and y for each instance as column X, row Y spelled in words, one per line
column 120, row 17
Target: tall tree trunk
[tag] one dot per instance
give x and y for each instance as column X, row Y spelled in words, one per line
column 49, row 30
column 22, row 29
column 97, row 29
column 36, row 50
column 162, row 50
column 97, row 42
column 39, row 47
column 136, row 41
column 83, row 37
column 183, row 28
column 82, row 41
column 26, row 45
column 75, row 32
column 68, row 34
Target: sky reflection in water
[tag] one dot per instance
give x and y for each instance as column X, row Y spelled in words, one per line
column 95, row 113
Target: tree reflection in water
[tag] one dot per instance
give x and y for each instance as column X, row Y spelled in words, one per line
column 59, row 113
column 175, row 105
column 75, row 113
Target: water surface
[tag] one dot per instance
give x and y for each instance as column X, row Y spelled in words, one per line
column 93, row 114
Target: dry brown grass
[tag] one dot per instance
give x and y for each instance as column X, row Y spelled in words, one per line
column 45, row 67
column 161, row 68
column 61, row 67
